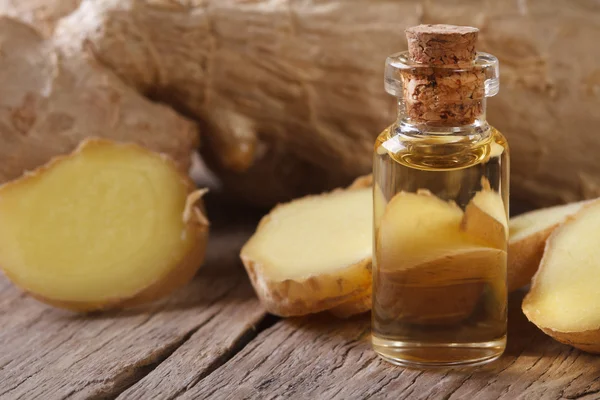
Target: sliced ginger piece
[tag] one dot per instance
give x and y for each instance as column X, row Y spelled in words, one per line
column 528, row 235
column 429, row 269
column 108, row 226
column 314, row 253
column 418, row 228
column 486, row 218
column 564, row 300
column 362, row 303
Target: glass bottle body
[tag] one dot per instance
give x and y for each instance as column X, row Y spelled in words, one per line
column 440, row 238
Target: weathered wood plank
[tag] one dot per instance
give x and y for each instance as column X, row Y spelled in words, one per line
column 209, row 347
column 315, row 358
column 47, row 353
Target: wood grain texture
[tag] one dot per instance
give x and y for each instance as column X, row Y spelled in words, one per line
column 209, row 347
column 202, row 343
column 314, row 358
column 48, row 353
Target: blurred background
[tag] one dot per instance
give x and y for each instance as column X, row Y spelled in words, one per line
column 287, row 96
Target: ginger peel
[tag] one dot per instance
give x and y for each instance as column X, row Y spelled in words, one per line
column 314, row 254
column 53, row 99
column 528, row 235
column 564, row 294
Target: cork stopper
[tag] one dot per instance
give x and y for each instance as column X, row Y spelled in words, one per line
column 449, row 89
column 442, row 44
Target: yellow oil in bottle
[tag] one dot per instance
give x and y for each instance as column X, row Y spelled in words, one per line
column 440, row 300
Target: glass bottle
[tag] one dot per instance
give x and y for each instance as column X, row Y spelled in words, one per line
column 440, row 211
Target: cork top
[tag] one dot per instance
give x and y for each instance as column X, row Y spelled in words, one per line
column 442, row 44
column 441, row 82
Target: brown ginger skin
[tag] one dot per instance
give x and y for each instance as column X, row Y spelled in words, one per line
column 298, row 109
column 51, row 101
column 560, row 251
column 42, row 14
column 439, row 96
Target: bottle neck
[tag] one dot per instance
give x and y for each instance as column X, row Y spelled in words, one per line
column 437, row 125
column 442, row 99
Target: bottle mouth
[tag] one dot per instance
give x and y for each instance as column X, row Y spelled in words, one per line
column 400, row 65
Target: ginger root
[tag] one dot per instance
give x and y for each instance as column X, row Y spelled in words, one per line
column 108, row 226
column 528, row 235
column 290, row 92
column 52, row 100
column 42, row 14
column 314, row 254
column 564, row 296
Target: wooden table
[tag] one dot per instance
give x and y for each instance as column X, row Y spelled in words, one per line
column 212, row 340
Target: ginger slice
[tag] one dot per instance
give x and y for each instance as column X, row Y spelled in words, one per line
column 419, row 227
column 564, row 296
column 108, row 226
column 528, row 235
column 429, row 269
column 314, row 253
column 486, row 218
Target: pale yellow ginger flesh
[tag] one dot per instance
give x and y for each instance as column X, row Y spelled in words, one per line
column 490, row 202
column 314, row 254
column 314, row 235
column 108, row 226
column 528, row 235
column 486, row 217
column 419, row 227
column 564, row 299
